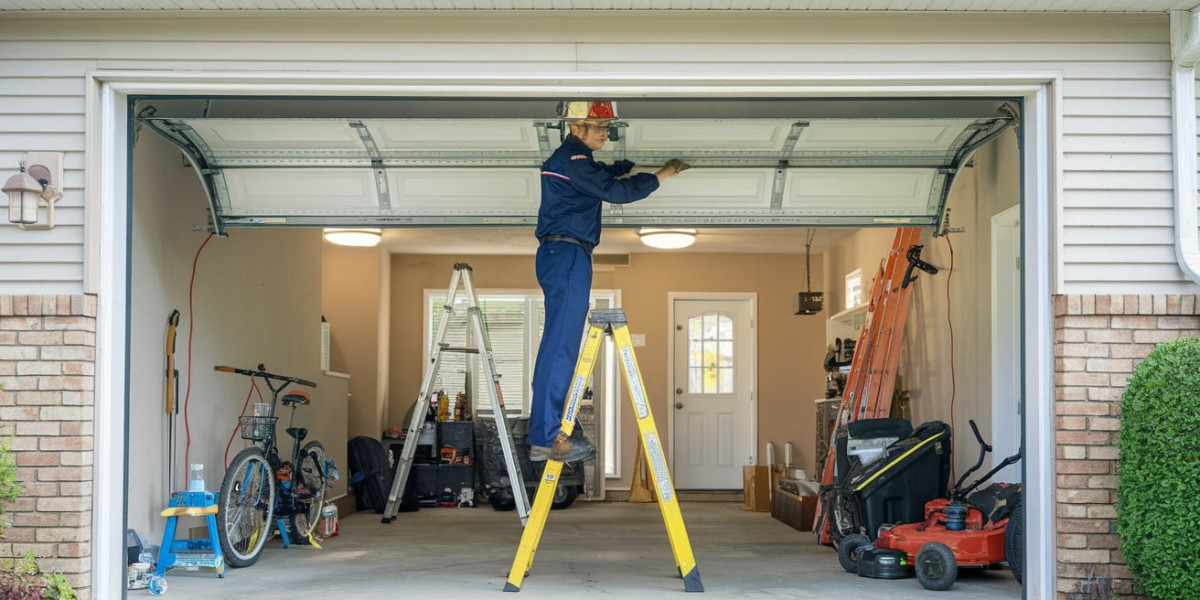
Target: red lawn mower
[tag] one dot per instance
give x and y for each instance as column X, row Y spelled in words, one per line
column 965, row 530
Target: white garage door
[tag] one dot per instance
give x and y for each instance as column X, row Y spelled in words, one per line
column 795, row 169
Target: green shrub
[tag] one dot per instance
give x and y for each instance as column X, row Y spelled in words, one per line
column 1158, row 476
column 22, row 578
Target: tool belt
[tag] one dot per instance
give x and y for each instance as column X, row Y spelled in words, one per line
column 554, row 237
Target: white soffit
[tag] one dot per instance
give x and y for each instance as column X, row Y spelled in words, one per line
column 430, row 172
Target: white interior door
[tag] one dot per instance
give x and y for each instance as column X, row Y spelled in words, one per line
column 1006, row 341
column 713, row 402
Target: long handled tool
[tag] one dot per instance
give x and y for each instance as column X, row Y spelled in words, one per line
column 172, row 406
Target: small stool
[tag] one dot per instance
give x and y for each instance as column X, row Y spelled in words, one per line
column 191, row 553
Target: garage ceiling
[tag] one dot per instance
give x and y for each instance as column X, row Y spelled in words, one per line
column 477, row 163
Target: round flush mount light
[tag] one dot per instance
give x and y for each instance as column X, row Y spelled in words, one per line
column 667, row 239
column 354, row 236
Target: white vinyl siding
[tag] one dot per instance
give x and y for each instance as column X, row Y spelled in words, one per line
column 1114, row 221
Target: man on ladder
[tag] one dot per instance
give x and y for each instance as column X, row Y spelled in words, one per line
column 574, row 185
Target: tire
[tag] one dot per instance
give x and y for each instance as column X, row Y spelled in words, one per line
column 1014, row 541
column 564, row 496
column 848, row 551
column 308, row 486
column 936, row 567
column 245, row 507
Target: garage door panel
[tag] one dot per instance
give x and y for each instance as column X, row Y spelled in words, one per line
column 931, row 136
column 480, row 191
column 242, row 137
column 458, row 135
column 682, row 136
column 298, row 191
column 864, row 191
column 732, row 189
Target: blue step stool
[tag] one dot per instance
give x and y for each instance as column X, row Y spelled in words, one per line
column 193, row 553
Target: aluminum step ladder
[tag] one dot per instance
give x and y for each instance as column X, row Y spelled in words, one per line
column 611, row 322
column 483, row 347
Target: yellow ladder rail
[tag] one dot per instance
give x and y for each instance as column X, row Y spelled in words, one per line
column 611, row 322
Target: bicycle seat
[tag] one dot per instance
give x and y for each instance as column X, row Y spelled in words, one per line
column 297, row 398
column 298, row 432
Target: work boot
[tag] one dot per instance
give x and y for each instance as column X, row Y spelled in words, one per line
column 565, row 449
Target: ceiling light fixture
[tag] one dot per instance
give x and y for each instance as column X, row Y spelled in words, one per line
column 667, row 239
column 354, row 236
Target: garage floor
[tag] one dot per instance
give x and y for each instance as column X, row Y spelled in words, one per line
column 616, row 550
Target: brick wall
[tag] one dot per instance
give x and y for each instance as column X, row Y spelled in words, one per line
column 1097, row 342
column 47, row 366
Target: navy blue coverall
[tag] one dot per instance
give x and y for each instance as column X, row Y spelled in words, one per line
column 573, row 186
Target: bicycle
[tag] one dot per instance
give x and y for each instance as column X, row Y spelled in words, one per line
column 258, row 487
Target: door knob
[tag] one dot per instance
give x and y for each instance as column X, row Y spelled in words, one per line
column 678, row 405
column 678, row 390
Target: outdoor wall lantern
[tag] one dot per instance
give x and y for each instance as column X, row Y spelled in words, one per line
column 38, row 184
column 667, row 239
column 365, row 237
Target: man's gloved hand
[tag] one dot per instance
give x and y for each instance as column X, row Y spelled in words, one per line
column 678, row 165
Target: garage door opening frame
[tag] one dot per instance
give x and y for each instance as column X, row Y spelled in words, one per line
column 109, row 201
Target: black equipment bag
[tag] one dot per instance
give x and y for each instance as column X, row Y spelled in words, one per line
column 371, row 477
column 996, row 501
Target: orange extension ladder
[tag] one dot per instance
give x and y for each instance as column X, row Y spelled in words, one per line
column 868, row 391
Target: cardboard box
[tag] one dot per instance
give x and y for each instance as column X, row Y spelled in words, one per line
column 756, row 488
column 796, row 511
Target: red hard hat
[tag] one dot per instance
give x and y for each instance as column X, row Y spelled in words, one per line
column 578, row 110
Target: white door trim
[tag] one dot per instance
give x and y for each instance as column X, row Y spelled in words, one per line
column 752, row 298
column 106, row 229
column 1006, row 340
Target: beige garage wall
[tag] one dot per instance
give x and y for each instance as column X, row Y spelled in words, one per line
column 350, row 303
column 257, row 299
column 790, row 347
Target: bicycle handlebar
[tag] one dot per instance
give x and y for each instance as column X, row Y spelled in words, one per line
column 262, row 372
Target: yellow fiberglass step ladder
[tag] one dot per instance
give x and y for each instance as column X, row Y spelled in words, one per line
column 483, row 347
column 611, row 322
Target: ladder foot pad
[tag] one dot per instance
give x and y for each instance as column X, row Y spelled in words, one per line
column 691, row 581
column 508, row 587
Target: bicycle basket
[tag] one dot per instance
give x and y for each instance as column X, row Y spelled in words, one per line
column 259, row 429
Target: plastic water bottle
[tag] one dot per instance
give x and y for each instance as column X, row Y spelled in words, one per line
column 196, row 481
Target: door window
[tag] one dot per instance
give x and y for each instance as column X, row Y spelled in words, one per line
column 710, row 354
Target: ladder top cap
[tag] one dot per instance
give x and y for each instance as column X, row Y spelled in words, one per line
column 607, row 316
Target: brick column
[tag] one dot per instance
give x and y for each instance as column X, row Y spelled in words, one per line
column 1097, row 342
column 47, row 366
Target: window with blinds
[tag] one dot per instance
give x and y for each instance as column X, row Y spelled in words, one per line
column 515, row 321
column 506, row 317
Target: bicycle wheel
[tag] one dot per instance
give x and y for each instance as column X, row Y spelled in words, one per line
column 245, row 507
column 308, row 490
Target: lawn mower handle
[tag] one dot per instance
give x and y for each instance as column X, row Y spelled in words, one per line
column 959, row 492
